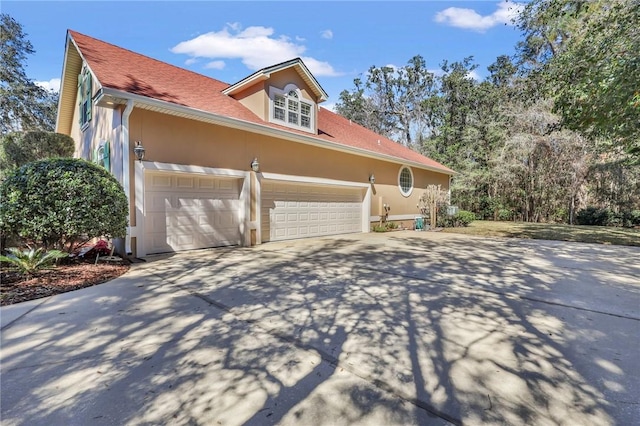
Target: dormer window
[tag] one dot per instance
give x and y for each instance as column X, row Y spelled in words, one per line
column 290, row 109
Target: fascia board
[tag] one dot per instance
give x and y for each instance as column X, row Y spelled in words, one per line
column 249, row 81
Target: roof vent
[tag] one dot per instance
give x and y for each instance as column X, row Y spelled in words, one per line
column 378, row 141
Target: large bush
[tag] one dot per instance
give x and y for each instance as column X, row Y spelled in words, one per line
column 606, row 217
column 461, row 218
column 61, row 202
column 20, row 148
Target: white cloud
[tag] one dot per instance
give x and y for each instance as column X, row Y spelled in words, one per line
column 53, row 84
column 319, row 68
column 190, row 61
column 215, row 65
column 257, row 47
column 328, row 34
column 470, row 19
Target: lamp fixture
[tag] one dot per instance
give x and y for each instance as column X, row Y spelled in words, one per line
column 372, row 179
column 255, row 166
column 139, row 150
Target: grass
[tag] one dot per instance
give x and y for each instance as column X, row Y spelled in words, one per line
column 552, row 231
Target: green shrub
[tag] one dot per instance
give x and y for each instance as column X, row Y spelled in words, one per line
column 385, row 227
column 462, row 218
column 505, row 214
column 30, row 261
column 633, row 218
column 378, row 228
column 604, row 217
column 593, row 216
column 61, row 202
column 20, row 148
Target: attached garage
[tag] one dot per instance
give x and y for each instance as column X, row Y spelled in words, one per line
column 191, row 211
column 299, row 210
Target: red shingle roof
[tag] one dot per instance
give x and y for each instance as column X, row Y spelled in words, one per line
column 131, row 72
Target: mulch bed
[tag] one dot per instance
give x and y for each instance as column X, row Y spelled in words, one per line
column 15, row 288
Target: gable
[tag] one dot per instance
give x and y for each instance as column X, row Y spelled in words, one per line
column 310, row 82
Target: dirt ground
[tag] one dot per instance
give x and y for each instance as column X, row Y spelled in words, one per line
column 15, row 288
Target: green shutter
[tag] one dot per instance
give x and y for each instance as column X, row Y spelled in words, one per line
column 89, row 91
column 106, row 157
column 80, row 97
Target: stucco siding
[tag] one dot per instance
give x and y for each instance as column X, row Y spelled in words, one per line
column 169, row 139
column 291, row 76
column 255, row 99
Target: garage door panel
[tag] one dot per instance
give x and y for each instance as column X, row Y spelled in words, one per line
column 302, row 210
column 185, row 212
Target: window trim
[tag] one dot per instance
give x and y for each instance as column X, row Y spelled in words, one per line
column 275, row 91
column 404, row 193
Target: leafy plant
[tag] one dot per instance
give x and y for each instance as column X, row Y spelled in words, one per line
column 62, row 202
column 30, row 261
column 378, row 228
column 462, row 218
column 385, row 227
column 605, row 217
column 594, row 216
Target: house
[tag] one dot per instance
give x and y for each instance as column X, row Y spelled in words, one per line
column 238, row 164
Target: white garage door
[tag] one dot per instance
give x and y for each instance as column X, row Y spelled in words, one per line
column 302, row 210
column 185, row 212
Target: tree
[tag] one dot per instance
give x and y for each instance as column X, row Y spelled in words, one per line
column 586, row 55
column 61, row 203
column 19, row 148
column 539, row 169
column 23, row 104
column 390, row 101
column 430, row 200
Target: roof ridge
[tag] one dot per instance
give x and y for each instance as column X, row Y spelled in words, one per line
column 70, row 31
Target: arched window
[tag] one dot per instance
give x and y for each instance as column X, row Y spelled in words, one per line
column 291, row 109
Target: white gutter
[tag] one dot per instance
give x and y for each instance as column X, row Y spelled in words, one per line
column 209, row 117
column 126, row 172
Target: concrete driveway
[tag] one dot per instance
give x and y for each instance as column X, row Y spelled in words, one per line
column 377, row 329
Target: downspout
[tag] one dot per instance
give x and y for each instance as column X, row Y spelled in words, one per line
column 126, row 172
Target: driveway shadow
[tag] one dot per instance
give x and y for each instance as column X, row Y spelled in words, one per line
column 395, row 330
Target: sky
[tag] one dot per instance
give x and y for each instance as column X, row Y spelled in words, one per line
column 337, row 40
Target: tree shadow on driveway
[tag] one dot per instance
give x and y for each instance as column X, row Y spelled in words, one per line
column 395, row 330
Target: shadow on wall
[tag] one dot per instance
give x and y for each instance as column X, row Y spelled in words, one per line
column 405, row 332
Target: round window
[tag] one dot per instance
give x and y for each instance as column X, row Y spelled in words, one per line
column 405, row 181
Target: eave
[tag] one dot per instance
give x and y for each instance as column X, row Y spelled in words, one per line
column 114, row 96
column 265, row 73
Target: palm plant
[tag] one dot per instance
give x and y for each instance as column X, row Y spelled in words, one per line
column 29, row 261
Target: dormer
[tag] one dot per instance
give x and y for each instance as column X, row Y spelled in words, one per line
column 286, row 94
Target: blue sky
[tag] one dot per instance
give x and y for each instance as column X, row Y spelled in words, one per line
column 338, row 41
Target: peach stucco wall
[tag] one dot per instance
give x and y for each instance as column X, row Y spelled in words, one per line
column 290, row 76
column 169, row 139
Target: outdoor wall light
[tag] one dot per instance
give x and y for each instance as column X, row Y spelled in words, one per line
column 255, row 166
column 138, row 150
column 372, row 179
